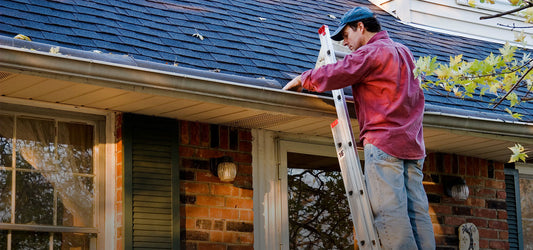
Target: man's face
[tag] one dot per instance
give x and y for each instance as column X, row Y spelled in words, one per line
column 353, row 38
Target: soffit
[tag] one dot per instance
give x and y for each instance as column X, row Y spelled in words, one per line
column 38, row 89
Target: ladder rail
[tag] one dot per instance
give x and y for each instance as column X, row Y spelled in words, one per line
column 351, row 171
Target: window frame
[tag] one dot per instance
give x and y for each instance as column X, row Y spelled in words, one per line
column 99, row 162
column 269, row 154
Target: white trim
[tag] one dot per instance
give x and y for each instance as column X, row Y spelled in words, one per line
column 269, row 154
column 110, row 183
column 524, row 168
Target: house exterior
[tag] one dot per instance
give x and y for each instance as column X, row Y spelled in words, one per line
column 114, row 113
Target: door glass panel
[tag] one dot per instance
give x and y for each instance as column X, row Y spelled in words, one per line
column 319, row 215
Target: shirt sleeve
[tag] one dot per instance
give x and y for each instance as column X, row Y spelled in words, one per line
column 352, row 70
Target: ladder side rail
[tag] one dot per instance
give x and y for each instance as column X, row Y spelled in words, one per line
column 349, row 162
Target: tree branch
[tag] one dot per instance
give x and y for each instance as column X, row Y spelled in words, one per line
column 514, row 87
column 528, row 5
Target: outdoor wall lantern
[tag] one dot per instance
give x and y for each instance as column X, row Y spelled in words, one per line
column 224, row 168
column 455, row 187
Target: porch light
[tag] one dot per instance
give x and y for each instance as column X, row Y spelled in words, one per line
column 455, row 187
column 224, row 168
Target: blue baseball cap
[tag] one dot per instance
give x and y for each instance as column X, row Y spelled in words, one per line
column 355, row 14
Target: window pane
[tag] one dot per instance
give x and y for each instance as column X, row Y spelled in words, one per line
column 5, row 196
column 30, row 240
column 319, row 216
column 3, row 239
column 75, row 143
column 76, row 241
column 6, row 141
column 84, row 209
column 34, row 199
column 35, row 143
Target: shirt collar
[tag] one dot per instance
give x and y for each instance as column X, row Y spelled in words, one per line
column 378, row 36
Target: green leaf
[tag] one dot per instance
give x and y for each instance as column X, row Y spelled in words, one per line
column 518, row 153
column 514, row 115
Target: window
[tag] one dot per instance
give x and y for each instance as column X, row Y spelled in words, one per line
column 299, row 196
column 318, row 211
column 48, row 183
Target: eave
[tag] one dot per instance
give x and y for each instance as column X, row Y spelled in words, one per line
column 87, row 84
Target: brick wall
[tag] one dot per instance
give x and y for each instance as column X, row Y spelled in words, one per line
column 215, row 215
column 485, row 206
column 119, row 210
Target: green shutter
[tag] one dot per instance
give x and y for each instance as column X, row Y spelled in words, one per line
column 514, row 216
column 151, row 182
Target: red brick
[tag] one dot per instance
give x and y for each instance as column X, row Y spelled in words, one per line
column 187, row 151
column 195, row 211
column 503, row 235
column 247, row 193
column 216, row 236
column 433, row 188
column 502, row 225
column 189, row 223
column 499, row 175
column 203, row 200
column 245, row 135
column 495, row 184
column 225, row 189
column 246, row 215
column 204, row 135
column 239, row 203
column 224, row 213
column 493, row 244
column 440, row 209
column 475, row 202
column 211, row 246
column 245, row 146
column 455, row 221
column 479, row 222
column 483, row 244
column 487, row 233
column 241, row 247
column 485, row 213
column 486, row 193
column 208, row 153
column 475, row 182
column 501, row 195
column 502, row 215
column 194, row 188
column 184, row 134
column 206, row 177
column 194, row 132
column 224, row 137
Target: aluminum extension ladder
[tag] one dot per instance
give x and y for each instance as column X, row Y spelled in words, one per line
column 352, row 175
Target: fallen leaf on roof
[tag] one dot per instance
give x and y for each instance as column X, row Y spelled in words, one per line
column 197, row 34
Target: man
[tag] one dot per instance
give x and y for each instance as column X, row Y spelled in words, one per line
column 389, row 105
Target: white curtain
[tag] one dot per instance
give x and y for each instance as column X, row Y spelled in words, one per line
column 60, row 152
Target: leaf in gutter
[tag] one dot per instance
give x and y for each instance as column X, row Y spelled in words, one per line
column 54, row 50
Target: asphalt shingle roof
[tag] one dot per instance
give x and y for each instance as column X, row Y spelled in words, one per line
column 271, row 39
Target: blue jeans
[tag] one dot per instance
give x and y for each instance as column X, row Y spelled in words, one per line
column 398, row 200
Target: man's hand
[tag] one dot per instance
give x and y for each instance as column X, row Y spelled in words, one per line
column 294, row 85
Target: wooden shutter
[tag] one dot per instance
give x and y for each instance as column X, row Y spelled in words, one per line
column 514, row 217
column 151, row 182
